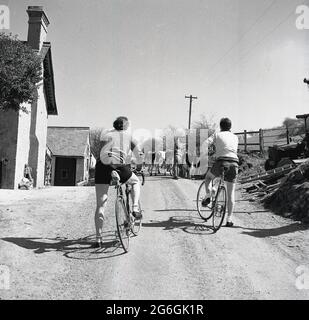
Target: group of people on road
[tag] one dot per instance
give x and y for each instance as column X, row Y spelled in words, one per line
column 118, row 146
column 164, row 162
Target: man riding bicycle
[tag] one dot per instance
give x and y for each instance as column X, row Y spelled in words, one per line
column 117, row 147
column 226, row 146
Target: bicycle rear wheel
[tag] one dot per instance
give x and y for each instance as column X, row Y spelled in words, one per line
column 204, row 212
column 136, row 224
column 219, row 208
column 123, row 224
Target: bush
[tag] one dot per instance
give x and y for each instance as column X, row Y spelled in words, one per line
column 20, row 73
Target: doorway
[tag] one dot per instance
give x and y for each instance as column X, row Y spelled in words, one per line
column 65, row 174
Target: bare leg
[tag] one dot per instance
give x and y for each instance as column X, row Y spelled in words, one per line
column 209, row 177
column 101, row 194
column 230, row 200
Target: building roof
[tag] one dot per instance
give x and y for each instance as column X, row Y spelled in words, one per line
column 49, row 83
column 48, row 79
column 68, row 141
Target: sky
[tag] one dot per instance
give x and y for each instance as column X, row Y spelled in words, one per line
column 243, row 59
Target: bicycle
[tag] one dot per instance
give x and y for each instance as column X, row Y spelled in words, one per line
column 216, row 209
column 125, row 222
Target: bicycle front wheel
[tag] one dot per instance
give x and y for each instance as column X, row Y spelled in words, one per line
column 219, row 208
column 123, row 224
column 204, row 212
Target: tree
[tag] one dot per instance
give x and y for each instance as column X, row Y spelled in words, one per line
column 20, row 73
column 95, row 142
column 204, row 123
column 207, row 124
column 297, row 125
column 171, row 133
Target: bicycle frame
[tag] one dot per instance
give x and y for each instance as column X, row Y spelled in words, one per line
column 221, row 183
column 218, row 208
column 130, row 224
column 121, row 193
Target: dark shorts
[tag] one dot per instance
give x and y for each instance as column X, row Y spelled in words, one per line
column 230, row 167
column 103, row 173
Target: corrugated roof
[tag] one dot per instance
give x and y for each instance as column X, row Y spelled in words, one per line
column 68, row 141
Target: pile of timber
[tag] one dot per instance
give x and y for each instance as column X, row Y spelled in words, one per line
column 260, row 185
column 284, row 190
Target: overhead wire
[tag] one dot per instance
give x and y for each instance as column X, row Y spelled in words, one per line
column 242, row 36
column 274, row 29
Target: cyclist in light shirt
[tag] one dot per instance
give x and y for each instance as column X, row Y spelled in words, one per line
column 226, row 146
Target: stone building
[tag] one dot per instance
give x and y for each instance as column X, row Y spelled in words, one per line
column 23, row 136
column 70, row 155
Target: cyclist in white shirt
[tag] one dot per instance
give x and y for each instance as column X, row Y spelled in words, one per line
column 115, row 155
column 226, row 146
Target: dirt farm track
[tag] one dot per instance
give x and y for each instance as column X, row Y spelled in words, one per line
column 45, row 238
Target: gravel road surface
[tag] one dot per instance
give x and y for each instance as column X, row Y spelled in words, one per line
column 45, row 239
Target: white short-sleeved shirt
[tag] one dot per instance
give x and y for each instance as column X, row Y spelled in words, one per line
column 117, row 148
column 226, row 145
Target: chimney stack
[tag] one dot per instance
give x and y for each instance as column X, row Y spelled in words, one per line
column 38, row 23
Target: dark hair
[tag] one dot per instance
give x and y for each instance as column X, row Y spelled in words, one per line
column 121, row 123
column 225, row 124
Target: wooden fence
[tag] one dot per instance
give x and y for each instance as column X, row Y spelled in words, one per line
column 264, row 138
column 243, row 137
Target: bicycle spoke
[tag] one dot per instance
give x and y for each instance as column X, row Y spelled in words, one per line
column 205, row 212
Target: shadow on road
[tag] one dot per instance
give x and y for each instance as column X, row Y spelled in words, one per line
column 171, row 210
column 251, row 211
column 158, row 178
column 274, row 232
column 187, row 224
column 72, row 248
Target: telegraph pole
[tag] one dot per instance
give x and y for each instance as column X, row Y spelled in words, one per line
column 305, row 116
column 190, row 110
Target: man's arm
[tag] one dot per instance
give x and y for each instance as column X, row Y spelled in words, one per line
column 137, row 152
column 207, row 143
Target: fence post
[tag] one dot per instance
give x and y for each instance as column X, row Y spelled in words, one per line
column 245, row 140
column 261, row 140
column 287, row 134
